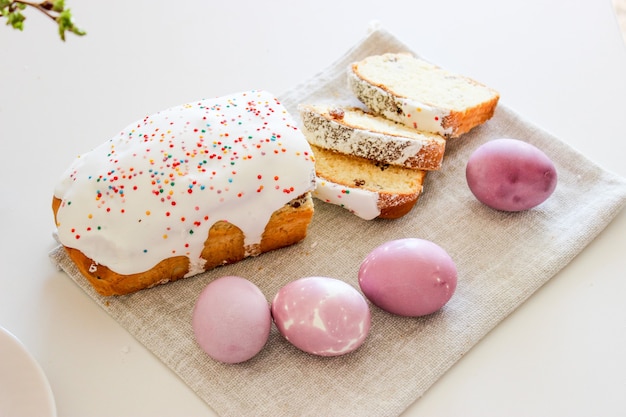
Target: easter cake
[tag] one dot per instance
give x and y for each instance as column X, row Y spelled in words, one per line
column 184, row 190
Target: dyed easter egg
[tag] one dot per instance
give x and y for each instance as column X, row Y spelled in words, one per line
column 322, row 316
column 510, row 175
column 231, row 319
column 408, row 277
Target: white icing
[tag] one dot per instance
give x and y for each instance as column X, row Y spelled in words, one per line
column 363, row 203
column 424, row 117
column 154, row 190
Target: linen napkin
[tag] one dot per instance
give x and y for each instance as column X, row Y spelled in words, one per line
column 502, row 258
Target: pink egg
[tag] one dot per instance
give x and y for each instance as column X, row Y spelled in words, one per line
column 510, row 175
column 231, row 319
column 409, row 277
column 322, row 316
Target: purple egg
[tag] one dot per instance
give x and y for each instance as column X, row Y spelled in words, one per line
column 408, row 277
column 322, row 316
column 231, row 319
column 510, row 175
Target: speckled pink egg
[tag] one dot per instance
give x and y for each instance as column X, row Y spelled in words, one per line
column 323, row 316
column 408, row 277
column 231, row 319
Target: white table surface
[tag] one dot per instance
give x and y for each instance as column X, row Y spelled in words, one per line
column 560, row 64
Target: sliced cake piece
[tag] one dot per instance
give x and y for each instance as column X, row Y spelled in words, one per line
column 353, row 131
column 364, row 187
column 421, row 95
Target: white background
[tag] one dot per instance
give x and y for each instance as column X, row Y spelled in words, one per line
column 560, row 64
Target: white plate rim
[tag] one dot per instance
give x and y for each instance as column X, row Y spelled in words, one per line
column 16, row 362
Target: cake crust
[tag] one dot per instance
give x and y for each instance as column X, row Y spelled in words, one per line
column 224, row 245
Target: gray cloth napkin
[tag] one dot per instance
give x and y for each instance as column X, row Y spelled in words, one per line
column 502, row 258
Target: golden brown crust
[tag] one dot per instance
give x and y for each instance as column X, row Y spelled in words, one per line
column 396, row 209
column 224, row 245
column 463, row 122
column 394, row 206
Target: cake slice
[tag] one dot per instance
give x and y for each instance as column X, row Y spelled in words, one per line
column 421, row 95
column 364, row 187
column 352, row 131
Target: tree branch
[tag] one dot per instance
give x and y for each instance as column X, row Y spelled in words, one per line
column 54, row 9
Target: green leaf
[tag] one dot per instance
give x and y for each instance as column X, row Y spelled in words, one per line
column 66, row 23
column 58, row 5
column 16, row 19
column 54, row 9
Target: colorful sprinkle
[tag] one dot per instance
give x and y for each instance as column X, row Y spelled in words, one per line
column 150, row 177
